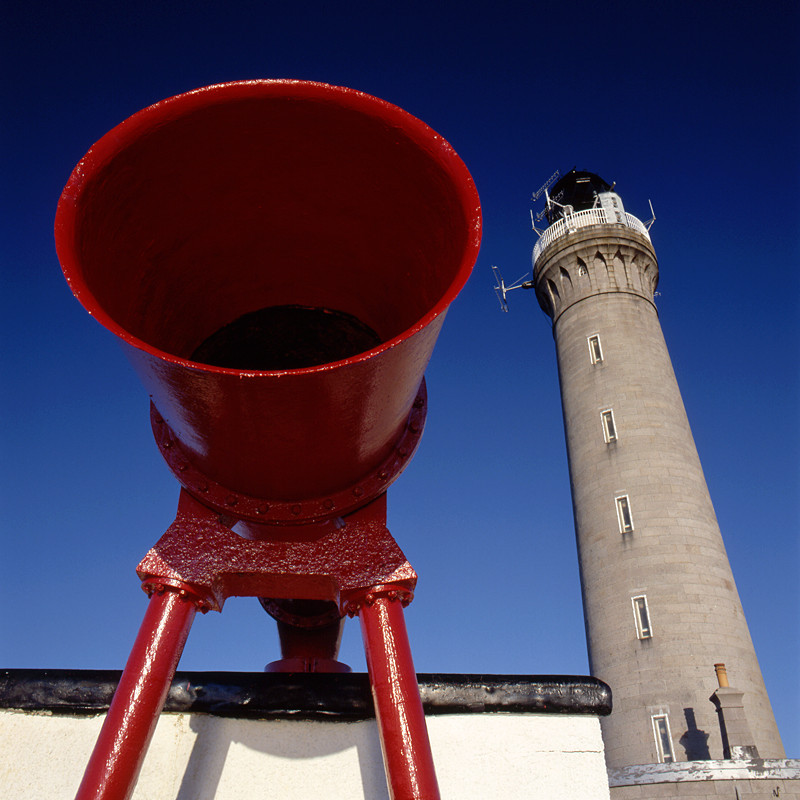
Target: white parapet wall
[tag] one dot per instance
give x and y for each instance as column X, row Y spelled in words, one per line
column 200, row 757
column 492, row 737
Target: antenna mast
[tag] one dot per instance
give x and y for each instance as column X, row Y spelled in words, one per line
column 501, row 290
column 542, row 190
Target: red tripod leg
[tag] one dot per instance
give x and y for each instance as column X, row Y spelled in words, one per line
column 407, row 755
column 122, row 744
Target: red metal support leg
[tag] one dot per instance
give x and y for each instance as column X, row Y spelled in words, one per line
column 122, row 744
column 407, row 756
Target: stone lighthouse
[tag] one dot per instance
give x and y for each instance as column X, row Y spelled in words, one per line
column 660, row 603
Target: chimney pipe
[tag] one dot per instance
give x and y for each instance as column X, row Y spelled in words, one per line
column 737, row 739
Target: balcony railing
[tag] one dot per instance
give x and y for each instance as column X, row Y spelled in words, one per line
column 581, row 219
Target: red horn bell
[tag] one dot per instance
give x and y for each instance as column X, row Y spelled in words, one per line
column 277, row 257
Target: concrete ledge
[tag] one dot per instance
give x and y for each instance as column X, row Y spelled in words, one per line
column 711, row 770
column 260, row 695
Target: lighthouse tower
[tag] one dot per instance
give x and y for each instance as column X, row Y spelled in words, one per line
column 660, row 603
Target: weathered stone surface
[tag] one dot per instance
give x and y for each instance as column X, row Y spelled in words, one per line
column 599, row 281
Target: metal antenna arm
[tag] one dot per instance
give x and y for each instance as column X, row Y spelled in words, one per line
column 501, row 290
column 649, row 223
column 546, row 185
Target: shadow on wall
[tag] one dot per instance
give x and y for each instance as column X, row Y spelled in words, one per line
column 215, row 737
column 694, row 740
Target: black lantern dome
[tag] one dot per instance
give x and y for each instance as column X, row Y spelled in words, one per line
column 577, row 190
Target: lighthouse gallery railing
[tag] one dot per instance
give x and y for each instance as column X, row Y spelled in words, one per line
column 582, row 219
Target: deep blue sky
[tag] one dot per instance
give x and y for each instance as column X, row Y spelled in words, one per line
column 692, row 105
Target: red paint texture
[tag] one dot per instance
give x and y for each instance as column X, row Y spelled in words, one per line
column 122, row 744
column 407, row 757
column 265, row 200
column 238, row 197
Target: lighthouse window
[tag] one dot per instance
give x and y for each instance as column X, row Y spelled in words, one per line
column 642, row 617
column 663, row 738
column 609, row 428
column 595, row 351
column 624, row 514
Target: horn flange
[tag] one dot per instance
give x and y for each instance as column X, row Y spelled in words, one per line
column 296, row 512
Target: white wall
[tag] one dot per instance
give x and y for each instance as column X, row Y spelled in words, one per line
column 200, row 757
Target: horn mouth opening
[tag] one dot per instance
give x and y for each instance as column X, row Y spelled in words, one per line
column 280, row 338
